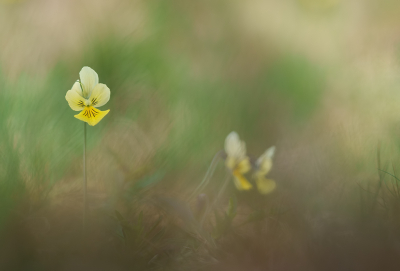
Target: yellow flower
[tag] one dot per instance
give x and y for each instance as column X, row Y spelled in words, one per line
column 263, row 167
column 237, row 160
column 86, row 95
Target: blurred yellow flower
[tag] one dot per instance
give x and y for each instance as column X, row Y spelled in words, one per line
column 237, row 160
column 263, row 167
column 87, row 94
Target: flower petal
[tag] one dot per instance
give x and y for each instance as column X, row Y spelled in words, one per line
column 100, row 95
column 264, row 163
column 234, row 147
column 89, row 80
column 230, row 162
column 74, row 98
column 265, row 186
column 91, row 115
column 241, row 182
column 77, row 88
column 243, row 166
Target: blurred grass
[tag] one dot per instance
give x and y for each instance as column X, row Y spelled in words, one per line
column 177, row 90
column 150, row 80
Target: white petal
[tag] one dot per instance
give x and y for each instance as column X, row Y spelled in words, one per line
column 100, row 95
column 232, row 144
column 264, row 163
column 234, row 147
column 74, row 99
column 268, row 154
column 77, row 88
column 89, row 80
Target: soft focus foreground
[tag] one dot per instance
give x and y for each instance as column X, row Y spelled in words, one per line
column 319, row 79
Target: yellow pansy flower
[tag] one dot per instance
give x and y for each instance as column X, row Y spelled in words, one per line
column 86, row 95
column 263, row 167
column 237, row 160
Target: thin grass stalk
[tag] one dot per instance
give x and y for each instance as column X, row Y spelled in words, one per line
column 84, row 178
column 210, row 206
column 209, row 174
column 375, row 199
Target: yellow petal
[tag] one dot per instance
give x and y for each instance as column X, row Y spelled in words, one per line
column 241, row 182
column 100, row 95
column 89, row 80
column 74, row 98
column 243, row 166
column 230, row 162
column 265, row 167
column 91, row 115
column 265, row 186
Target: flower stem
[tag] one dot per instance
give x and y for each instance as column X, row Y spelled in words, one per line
column 210, row 206
column 84, row 178
column 207, row 177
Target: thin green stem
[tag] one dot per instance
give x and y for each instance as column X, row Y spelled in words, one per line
column 84, row 178
column 210, row 206
column 207, row 177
